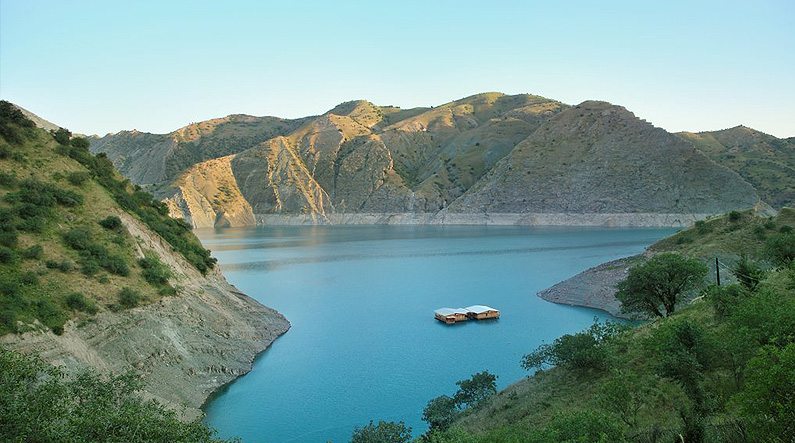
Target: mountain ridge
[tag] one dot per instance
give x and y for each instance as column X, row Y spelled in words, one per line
column 482, row 154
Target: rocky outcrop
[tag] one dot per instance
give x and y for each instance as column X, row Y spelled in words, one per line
column 183, row 347
column 208, row 195
column 148, row 159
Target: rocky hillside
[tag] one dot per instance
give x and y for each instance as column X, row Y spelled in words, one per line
column 93, row 273
column 767, row 162
column 148, row 159
column 489, row 158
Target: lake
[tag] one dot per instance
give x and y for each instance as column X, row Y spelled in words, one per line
column 364, row 344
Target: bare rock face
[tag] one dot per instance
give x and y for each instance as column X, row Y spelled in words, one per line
column 183, row 347
column 209, row 196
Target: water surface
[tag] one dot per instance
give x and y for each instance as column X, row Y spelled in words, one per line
column 364, row 344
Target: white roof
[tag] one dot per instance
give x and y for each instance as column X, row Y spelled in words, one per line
column 479, row 309
column 450, row 311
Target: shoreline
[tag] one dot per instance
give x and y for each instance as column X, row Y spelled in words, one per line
column 639, row 220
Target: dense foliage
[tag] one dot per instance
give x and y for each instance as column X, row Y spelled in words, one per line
column 582, row 350
column 39, row 403
column 656, row 286
column 152, row 212
column 383, row 432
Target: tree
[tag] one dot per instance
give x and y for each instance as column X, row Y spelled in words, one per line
column 383, row 432
column 781, row 249
column 748, row 273
column 440, row 413
column 475, row 390
column 767, row 396
column 656, row 286
column 41, row 403
column 625, row 394
column 583, row 350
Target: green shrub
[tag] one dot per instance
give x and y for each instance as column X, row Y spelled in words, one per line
column 51, row 264
column 735, row 216
column 724, row 299
column 78, row 238
column 8, row 238
column 129, row 298
column 78, row 302
column 167, row 291
column 7, row 180
column 154, row 271
column 781, row 249
column 32, row 224
column 770, row 225
column 383, row 432
column 7, row 255
column 29, row 279
column 111, row 222
column 583, row 350
column 65, row 266
column 42, row 404
column 115, row 264
column 51, row 315
column 78, row 178
column 786, row 229
column 34, row 252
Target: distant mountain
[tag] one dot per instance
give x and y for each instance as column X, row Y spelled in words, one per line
column 767, row 162
column 147, row 158
column 488, row 158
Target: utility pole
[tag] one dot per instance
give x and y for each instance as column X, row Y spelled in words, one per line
column 717, row 271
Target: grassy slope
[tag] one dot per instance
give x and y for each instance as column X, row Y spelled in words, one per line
column 36, row 158
column 768, row 163
column 530, row 404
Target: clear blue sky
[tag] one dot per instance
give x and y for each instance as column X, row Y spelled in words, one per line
column 104, row 66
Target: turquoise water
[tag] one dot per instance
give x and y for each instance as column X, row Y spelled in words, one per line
column 364, row 344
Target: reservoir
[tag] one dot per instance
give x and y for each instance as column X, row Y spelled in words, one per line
column 364, row 344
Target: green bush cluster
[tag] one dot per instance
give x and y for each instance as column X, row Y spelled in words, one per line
column 78, row 178
column 14, row 126
column 154, row 271
column 41, row 403
column 582, row 350
column 111, row 223
column 130, row 298
column 94, row 256
column 152, row 212
column 78, row 302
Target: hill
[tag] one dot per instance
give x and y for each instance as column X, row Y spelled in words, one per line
column 719, row 370
column 767, row 162
column 488, row 158
column 726, row 238
column 93, row 273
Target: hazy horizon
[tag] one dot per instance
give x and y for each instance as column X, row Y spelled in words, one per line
column 98, row 67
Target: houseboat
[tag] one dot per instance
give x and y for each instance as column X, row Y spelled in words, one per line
column 480, row 312
column 451, row 315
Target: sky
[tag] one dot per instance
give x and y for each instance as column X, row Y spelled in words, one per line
column 156, row 65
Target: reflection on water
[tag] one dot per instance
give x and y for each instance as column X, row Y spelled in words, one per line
column 364, row 344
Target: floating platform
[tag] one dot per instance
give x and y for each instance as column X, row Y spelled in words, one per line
column 474, row 312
